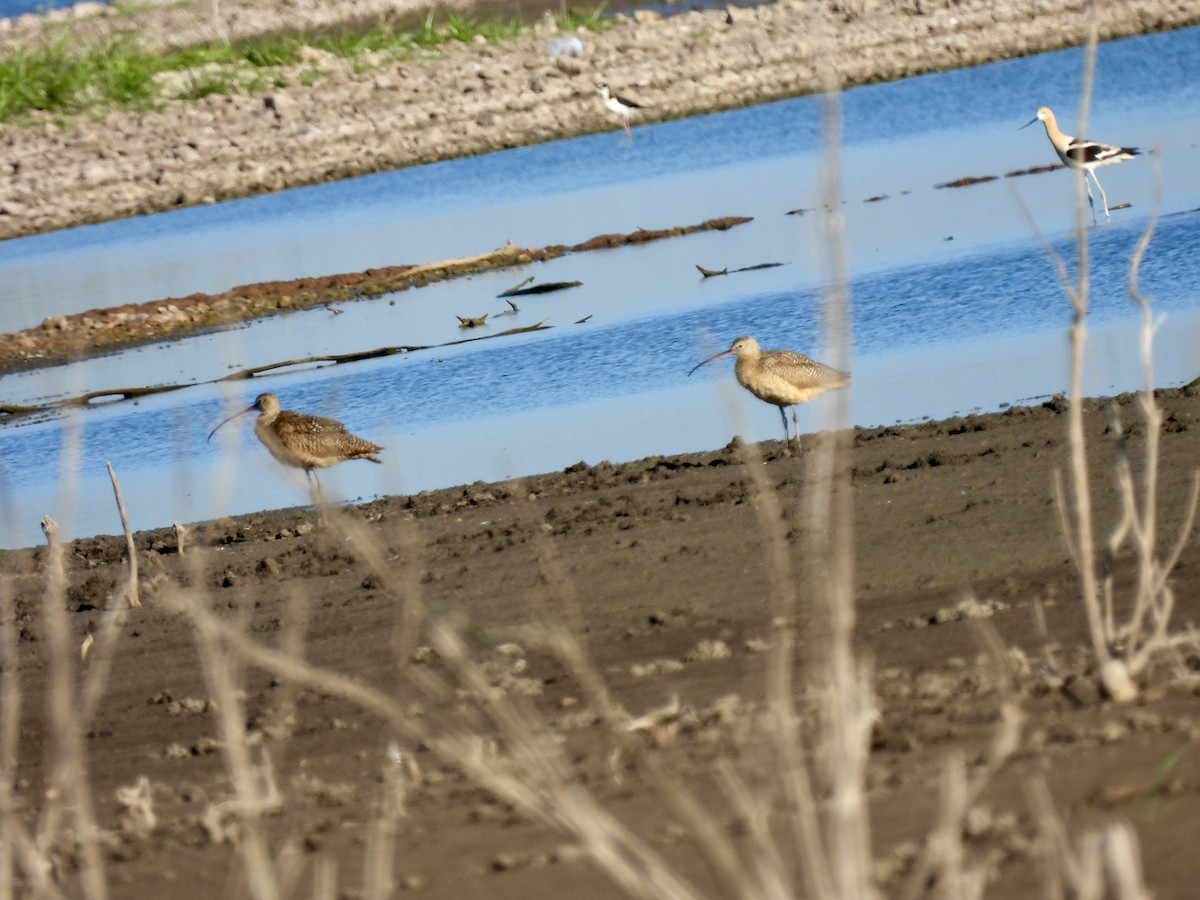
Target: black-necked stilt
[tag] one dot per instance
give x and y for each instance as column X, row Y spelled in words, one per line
column 780, row 377
column 1086, row 156
column 618, row 105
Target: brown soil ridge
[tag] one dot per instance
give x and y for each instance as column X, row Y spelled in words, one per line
column 63, row 339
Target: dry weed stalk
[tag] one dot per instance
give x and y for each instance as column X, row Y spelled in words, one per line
column 254, row 793
column 325, row 878
column 833, row 842
column 849, row 689
column 1122, row 649
column 132, row 586
column 10, row 732
column 138, row 802
column 1145, row 634
column 70, row 794
column 703, row 826
column 1077, row 515
column 534, row 777
column 19, row 850
column 942, row 869
column 1105, row 864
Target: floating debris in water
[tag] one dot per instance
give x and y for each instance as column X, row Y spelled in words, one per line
column 712, row 273
column 516, row 289
column 544, row 288
column 965, row 182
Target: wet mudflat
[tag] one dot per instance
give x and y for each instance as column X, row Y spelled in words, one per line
column 660, row 566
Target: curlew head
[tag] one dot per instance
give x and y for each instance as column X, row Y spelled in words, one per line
column 266, row 404
column 1044, row 114
column 744, row 347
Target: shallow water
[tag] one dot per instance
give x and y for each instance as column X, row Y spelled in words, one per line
column 10, row 9
column 956, row 305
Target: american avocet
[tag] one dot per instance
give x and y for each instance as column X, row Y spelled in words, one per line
column 780, row 377
column 622, row 107
column 303, row 441
column 1086, row 156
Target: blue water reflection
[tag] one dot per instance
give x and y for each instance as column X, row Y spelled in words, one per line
column 10, row 9
column 562, row 191
column 956, row 304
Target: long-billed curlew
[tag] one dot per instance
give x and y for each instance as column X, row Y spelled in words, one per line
column 622, row 107
column 303, row 441
column 781, row 377
column 1085, row 156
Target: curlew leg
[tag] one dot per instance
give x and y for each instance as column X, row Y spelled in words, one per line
column 1103, row 198
column 783, row 415
column 315, row 483
column 796, row 427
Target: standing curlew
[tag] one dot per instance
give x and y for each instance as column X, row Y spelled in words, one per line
column 781, row 377
column 622, row 107
column 1081, row 155
column 303, row 441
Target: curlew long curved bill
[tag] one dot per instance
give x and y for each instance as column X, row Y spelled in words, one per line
column 230, row 419
column 715, row 356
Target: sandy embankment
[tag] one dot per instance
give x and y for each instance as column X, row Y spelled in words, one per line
column 478, row 98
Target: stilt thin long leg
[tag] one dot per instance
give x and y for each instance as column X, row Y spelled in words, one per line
column 1091, row 203
column 1103, row 198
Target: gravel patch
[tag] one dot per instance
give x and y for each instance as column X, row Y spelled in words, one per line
column 476, row 98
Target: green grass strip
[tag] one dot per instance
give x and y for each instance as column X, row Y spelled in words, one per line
column 66, row 78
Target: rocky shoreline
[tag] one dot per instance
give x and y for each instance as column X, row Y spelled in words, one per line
column 476, row 98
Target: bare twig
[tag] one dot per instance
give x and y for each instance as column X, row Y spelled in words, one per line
column 542, row 791
column 132, row 590
column 10, row 732
column 219, row 672
column 849, row 700
column 70, row 761
column 182, row 535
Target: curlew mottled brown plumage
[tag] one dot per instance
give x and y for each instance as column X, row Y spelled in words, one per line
column 303, row 441
column 780, row 377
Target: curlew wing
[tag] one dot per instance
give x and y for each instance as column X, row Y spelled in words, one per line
column 319, row 437
column 798, row 369
column 785, row 378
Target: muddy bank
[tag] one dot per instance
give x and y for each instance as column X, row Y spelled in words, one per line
column 664, row 569
column 61, row 339
column 478, row 98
